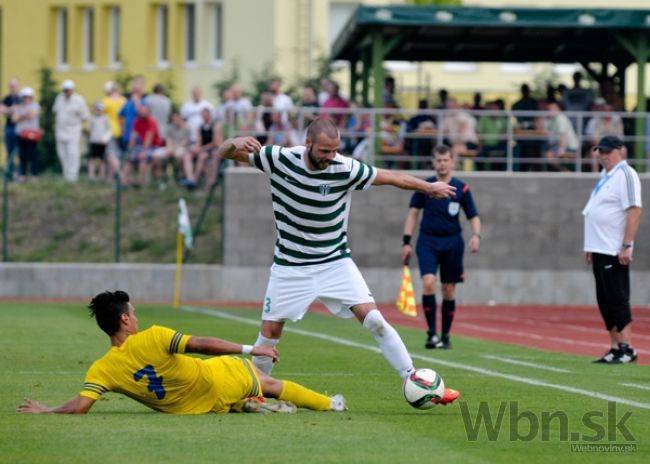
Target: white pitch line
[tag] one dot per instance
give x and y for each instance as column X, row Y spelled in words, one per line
column 466, row 367
column 636, row 385
column 524, row 363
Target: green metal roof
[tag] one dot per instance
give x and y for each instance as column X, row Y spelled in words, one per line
column 437, row 33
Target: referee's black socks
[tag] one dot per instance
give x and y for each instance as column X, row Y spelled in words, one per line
column 448, row 309
column 429, row 308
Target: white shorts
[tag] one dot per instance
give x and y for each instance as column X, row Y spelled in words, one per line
column 338, row 285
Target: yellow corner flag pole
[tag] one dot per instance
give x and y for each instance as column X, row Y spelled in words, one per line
column 183, row 240
column 406, row 299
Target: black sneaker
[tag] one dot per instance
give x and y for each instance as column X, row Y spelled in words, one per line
column 627, row 354
column 444, row 344
column 609, row 357
column 432, row 342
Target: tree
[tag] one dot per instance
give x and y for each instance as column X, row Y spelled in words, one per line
column 47, row 146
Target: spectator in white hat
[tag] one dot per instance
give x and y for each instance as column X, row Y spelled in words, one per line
column 71, row 111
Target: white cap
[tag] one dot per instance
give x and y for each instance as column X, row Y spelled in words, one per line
column 108, row 86
column 67, row 85
column 26, row 92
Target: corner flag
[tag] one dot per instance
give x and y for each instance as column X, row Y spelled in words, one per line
column 184, row 225
column 183, row 237
column 406, row 300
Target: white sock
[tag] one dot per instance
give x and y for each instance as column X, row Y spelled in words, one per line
column 390, row 343
column 264, row 363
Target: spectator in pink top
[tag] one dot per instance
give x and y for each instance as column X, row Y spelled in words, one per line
column 336, row 101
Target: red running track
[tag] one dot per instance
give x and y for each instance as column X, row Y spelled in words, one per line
column 566, row 329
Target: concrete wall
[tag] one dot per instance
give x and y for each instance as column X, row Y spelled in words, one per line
column 247, row 283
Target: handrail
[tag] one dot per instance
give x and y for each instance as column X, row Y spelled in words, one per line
column 523, row 143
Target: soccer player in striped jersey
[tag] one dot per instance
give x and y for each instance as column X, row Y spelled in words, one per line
column 311, row 187
column 150, row 366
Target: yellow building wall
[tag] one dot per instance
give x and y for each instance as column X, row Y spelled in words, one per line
column 29, row 42
column 249, row 44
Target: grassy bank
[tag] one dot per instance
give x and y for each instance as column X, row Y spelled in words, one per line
column 52, row 221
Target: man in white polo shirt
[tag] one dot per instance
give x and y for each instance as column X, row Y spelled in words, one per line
column 612, row 218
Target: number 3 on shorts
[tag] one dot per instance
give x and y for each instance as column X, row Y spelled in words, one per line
column 267, row 305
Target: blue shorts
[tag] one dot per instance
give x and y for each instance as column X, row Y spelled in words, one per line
column 446, row 252
column 134, row 153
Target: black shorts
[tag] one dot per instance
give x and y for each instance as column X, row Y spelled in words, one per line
column 97, row 151
column 446, row 252
column 612, row 290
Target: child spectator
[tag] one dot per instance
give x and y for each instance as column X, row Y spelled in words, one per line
column 99, row 127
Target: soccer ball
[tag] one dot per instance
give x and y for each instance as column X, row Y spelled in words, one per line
column 423, row 387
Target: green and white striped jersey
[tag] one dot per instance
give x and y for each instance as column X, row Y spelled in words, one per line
column 311, row 207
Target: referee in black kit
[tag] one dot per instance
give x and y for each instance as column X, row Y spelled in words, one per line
column 440, row 243
column 611, row 220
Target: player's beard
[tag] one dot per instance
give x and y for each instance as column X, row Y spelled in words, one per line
column 316, row 164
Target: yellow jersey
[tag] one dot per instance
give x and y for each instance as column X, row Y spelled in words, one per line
column 150, row 367
column 112, row 107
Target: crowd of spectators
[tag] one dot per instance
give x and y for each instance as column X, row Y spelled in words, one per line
column 142, row 139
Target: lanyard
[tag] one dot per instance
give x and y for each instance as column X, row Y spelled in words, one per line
column 603, row 180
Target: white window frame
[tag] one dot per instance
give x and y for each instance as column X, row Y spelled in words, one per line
column 88, row 53
column 114, row 42
column 162, row 36
column 216, row 28
column 62, row 39
column 190, row 33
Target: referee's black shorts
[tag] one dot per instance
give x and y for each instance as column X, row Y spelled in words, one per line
column 612, row 290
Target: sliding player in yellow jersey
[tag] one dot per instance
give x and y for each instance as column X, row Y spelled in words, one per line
column 152, row 368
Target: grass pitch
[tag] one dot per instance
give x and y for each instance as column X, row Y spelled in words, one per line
column 534, row 406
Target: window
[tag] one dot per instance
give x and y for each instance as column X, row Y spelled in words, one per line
column 190, row 33
column 114, row 37
column 88, row 37
column 62, row 38
column 162, row 32
column 217, row 31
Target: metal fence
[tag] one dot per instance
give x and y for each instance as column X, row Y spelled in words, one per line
column 485, row 140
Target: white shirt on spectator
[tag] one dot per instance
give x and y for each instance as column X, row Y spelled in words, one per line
column 70, row 114
column 191, row 112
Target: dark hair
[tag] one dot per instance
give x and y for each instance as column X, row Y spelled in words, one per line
column 443, row 150
column 107, row 307
column 158, row 88
column 322, row 126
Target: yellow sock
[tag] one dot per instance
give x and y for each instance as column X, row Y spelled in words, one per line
column 303, row 397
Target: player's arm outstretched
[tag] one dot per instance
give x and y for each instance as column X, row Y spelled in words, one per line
column 77, row 405
column 217, row 347
column 409, row 182
column 238, row 148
